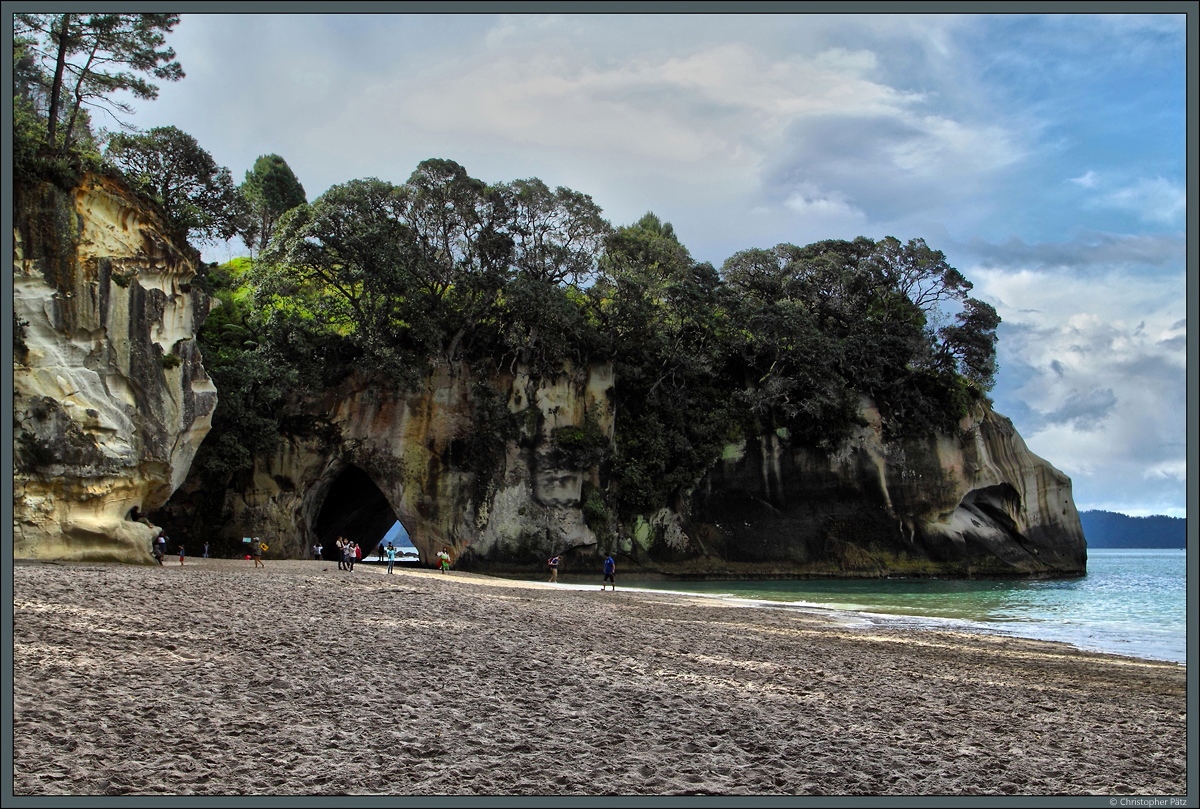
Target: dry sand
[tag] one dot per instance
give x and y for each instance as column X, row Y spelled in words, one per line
column 299, row 679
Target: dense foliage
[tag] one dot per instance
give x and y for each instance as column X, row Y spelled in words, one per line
column 395, row 279
column 170, row 167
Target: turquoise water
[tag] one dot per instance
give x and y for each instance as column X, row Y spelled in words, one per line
column 1131, row 602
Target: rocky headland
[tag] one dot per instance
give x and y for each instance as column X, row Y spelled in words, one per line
column 112, row 400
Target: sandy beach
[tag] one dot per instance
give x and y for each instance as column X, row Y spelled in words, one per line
column 216, row 678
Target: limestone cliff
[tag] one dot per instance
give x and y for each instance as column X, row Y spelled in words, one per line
column 110, row 397
column 977, row 502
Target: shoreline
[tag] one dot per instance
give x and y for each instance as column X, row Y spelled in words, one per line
column 217, row 678
column 905, row 620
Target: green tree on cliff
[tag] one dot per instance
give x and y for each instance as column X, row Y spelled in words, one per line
column 661, row 315
column 918, row 272
column 270, row 189
column 792, row 309
column 558, row 235
column 168, row 165
column 971, row 342
column 91, row 57
column 556, row 238
column 441, row 267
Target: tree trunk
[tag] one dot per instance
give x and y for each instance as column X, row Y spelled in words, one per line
column 56, row 88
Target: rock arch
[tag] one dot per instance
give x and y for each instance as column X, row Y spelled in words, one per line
column 415, row 457
column 354, row 507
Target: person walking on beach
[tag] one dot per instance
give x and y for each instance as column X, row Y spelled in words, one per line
column 256, row 550
column 205, row 550
column 341, row 553
column 553, row 569
column 444, row 559
column 162, row 544
column 351, row 554
column 610, row 573
column 391, row 556
column 317, row 551
column 181, row 555
column 156, row 549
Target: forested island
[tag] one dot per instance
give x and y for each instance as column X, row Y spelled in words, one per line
column 1107, row 529
column 498, row 366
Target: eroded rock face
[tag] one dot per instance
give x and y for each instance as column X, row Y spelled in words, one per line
column 492, row 493
column 977, row 503
column 974, row 503
column 110, row 398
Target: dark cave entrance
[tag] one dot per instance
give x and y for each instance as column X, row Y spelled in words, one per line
column 355, row 508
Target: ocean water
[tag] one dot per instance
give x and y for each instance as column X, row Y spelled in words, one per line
column 1131, row 602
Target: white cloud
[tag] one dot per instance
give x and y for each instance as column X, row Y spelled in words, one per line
column 1087, row 251
column 728, row 110
column 1086, row 180
column 1100, row 365
column 830, row 207
column 712, row 116
column 1153, row 199
column 726, row 100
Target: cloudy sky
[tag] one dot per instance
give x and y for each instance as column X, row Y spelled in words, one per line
column 1043, row 154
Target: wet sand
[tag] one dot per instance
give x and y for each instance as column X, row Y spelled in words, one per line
column 217, row 678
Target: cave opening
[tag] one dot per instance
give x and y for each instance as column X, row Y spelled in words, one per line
column 356, row 509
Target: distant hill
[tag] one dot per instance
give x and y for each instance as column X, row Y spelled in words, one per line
column 1106, row 529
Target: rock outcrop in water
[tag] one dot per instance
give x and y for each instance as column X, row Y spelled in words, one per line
column 111, row 401
column 976, row 503
column 110, row 397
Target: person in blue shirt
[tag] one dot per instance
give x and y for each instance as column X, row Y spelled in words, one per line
column 391, row 556
column 610, row 573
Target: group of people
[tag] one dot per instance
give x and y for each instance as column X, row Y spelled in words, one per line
column 349, row 552
column 610, row 571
